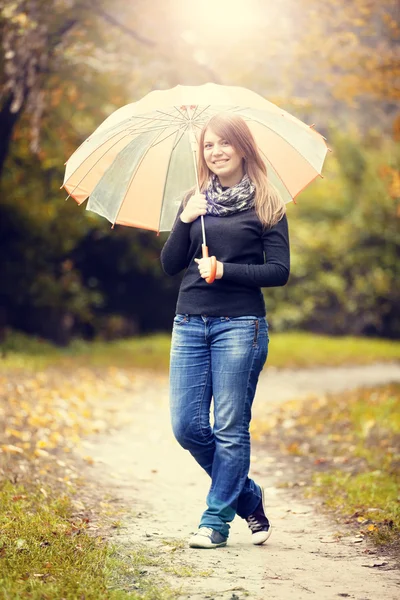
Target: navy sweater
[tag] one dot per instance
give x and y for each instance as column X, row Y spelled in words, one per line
column 253, row 258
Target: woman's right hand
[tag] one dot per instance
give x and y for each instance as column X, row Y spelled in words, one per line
column 196, row 206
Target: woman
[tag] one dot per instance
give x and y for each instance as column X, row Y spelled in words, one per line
column 220, row 334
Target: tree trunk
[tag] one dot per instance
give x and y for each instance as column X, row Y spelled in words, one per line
column 8, row 120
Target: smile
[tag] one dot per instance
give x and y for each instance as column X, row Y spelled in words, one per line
column 220, row 162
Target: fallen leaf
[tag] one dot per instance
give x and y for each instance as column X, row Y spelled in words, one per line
column 41, row 453
column 11, row 449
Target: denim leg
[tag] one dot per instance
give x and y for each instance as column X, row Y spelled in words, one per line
column 190, row 389
column 238, row 352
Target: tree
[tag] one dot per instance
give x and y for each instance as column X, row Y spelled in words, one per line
column 37, row 43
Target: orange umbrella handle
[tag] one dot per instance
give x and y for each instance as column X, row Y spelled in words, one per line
column 213, row 264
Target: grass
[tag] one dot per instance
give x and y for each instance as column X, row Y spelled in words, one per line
column 289, row 350
column 51, row 399
column 347, row 449
column 46, row 553
column 46, row 549
column 369, row 499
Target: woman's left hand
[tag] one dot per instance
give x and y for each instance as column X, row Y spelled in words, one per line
column 204, row 265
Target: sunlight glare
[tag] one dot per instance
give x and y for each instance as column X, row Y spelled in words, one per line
column 212, row 18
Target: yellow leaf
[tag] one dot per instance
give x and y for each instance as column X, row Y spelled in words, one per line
column 42, row 444
column 13, row 432
column 41, row 453
column 10, row 449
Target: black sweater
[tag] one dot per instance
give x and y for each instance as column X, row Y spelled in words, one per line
column 240, row 243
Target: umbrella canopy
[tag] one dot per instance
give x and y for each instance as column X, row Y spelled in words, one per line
column 137, row 164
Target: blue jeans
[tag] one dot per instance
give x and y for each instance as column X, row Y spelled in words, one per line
column 219, row 358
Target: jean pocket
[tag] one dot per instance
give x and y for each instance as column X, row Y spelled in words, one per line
column 181, row 319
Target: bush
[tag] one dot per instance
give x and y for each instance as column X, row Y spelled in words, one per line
column 345, row 245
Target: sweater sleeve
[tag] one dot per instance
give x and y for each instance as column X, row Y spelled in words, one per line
column 275, row 270
column 174, row 255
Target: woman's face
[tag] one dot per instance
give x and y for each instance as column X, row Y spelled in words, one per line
column 222, row 159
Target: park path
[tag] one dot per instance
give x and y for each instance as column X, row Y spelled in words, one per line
column 142, row 465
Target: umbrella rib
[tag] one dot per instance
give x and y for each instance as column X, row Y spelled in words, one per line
column 125, row 122
column 126, row 134
column 162, row 128
column 87, row 172
column 284, row 139
column 180, row 114
column 119, row 129
column 184, row 129
column 166, row 175
column 147, row 129
column 196, row 117
column 152, row 117
column 133, row 176
column 277, row 173
column 164, row 138
column 102, row 156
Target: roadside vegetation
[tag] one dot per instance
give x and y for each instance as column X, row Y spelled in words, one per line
column 345, row 449
column 287, row 350
column 55, row 526
column 54, row 531
column 47, row 551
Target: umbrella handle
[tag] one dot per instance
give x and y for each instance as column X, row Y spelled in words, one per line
column 213, row 263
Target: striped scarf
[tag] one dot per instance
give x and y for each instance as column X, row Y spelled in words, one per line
column 237, row 198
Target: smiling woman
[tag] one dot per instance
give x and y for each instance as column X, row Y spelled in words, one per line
column 222, row 159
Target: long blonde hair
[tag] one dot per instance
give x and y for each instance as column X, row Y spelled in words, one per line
column 269, row 205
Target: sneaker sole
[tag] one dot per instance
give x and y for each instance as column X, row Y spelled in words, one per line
column 261, row 536
column 205, row 546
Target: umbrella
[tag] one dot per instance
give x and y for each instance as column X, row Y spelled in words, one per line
column 136, row 165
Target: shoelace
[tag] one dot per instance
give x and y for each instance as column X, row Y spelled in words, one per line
column 254, row 524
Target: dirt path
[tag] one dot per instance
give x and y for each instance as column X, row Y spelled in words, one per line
column 144, row 465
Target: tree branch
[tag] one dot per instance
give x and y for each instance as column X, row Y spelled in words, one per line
column 110, row 19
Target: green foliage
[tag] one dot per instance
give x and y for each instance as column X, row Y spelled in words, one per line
column 364, row 426
column 345, row 246
column 372, row 496
column 347, row 449
column 286, row 350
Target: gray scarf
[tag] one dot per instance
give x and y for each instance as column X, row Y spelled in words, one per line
column 237, row 198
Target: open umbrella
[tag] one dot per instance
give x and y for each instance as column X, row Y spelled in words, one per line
column 136, row 165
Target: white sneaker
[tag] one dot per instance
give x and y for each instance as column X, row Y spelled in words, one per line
column 205, row 537
column 260, row 526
